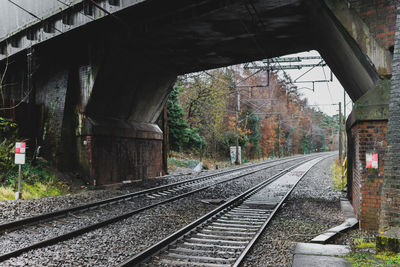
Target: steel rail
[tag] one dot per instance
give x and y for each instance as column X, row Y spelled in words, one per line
column 64, row 212
column 264, row 226
column 145, row 255
column 80, row 231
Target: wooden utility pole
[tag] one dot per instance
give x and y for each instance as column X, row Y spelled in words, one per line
column 340, row 131
column 279, row 135
column 237, row 161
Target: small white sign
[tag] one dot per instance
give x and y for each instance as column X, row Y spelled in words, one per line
column 19, row 158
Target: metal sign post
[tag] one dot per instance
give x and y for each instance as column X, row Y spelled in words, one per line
column 20, row 148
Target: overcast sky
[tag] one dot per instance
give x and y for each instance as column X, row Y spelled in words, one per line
column 325, row 94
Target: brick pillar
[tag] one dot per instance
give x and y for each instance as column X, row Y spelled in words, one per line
column 390, row 195
column 367, row 132
column 121, row 151
column 368, row 136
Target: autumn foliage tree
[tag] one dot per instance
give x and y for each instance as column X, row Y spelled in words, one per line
column 274, row 120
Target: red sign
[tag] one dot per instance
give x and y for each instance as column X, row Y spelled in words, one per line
column 20, row 147
column 371, row 160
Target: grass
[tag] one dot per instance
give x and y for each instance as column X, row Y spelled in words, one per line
column 179, row 159
column 36, row 190
column 337, row 175
column 360, row 243
column 363, row 255
column 182, row 162
column 37, row 182
column 6, row 193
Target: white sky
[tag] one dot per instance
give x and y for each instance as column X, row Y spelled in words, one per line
column 321, row 96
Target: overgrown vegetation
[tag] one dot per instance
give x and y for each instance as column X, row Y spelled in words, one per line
column 363, row 255
column 8, row 136
column 180, row 135
column 273, row 119
column 37, row 179
column 337, row 175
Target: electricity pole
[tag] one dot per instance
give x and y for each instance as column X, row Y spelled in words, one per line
column 311, row 140
column 279, row 135
column 237, row 161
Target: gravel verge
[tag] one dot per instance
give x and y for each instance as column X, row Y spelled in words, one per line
column 312, row 208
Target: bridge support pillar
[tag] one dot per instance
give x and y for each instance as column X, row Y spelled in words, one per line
column 120, row 151
column 390, row 194
column 367, row 128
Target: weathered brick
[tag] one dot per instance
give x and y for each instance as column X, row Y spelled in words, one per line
column 368, row 136
column 380, row 16
column 390, row 193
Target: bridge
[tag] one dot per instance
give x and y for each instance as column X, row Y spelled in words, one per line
column 102, row 71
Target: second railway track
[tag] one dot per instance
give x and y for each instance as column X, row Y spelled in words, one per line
column 67, row 223
column 224, row 236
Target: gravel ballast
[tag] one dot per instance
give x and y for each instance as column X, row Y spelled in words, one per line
column 308, row 211
column 312, row 208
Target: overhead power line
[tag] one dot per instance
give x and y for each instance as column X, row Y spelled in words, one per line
column 286, row 67
column 290, row 59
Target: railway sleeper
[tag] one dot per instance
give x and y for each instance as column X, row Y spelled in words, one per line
column 221, row 237
column 179, row 263
column 200, row 259
column 197, row 252
column 234, row 224
column 235, row 248
column 229, row 232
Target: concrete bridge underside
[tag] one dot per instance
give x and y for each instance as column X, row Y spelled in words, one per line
column 113, row 75
column 103, row 79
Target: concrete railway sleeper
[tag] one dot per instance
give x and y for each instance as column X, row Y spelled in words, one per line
column 225, row 235
column 85, row 218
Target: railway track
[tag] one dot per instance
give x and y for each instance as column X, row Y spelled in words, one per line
column 224, row 236
column 51, row 228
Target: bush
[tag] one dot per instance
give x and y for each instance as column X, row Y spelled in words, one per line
column 8, row 136
column 8, row 129
column 31, row 174
column 37, row 181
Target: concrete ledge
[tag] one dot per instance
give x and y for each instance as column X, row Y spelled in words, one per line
column 321, row 250
column 349, row 223
column 118, row 128
column 318, row 255
column 319, row 261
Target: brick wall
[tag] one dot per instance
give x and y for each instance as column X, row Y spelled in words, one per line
column 380, row 16
column 355, row 186
column 390, row 212
column 368, row 136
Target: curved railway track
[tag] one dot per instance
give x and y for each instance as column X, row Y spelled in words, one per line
column 225, row 235
column 78, row 220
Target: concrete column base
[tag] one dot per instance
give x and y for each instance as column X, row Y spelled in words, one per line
column 389, row 241
column 124, row 151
